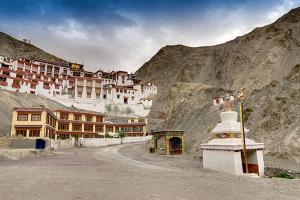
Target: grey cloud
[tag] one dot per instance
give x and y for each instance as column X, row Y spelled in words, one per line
column 130, row 40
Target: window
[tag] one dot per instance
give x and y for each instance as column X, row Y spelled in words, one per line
column 63, row 136
column 126, row 129
column 109, row 129
column 137, row 129
column 99, row 128
column 50, row 120
column 88, row 118
column 88, row 127
column 77, row 127
column 99, row 119
column 64, row 116
column 21, row 133
column 132, row 98
column 22, row 117
column 87, row 136
column 34, row 133
column 77, row 117
column 36, row 117
column 118, row 96
column 104, row 96
column 63, row 126
column 79, row 91
column 141, row 120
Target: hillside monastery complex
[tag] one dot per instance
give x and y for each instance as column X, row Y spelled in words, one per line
column 71, row 85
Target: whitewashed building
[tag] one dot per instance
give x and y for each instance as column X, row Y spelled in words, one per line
column 69, row 83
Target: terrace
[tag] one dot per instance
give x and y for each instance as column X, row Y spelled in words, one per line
column 46, row 87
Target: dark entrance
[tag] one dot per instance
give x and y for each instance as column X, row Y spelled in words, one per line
column 252, row 164
column 40, row 144
column 175, row 146
column 125, row 100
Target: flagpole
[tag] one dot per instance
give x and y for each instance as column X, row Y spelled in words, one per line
column 243, row 135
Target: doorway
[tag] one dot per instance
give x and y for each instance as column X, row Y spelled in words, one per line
column 175, row 144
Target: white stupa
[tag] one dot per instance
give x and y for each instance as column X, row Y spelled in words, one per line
column 225, row 152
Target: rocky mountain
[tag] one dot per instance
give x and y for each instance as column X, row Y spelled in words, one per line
column 13, row 48
column 265, row 61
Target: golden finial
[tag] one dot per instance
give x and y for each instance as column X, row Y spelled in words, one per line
column 228, row 103
column 240, row 95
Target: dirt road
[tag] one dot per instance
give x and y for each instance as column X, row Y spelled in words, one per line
column 130, row 172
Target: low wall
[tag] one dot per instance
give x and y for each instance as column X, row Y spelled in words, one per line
column 101, row 142
column 126, row 140
column 98, row 142
column 5, row 143
column 17, row 143
column 62, row 144
column 23, row 144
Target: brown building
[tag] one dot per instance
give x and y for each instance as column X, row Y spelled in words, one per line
column 33, row 123
column 64, row 124
column 79, row 124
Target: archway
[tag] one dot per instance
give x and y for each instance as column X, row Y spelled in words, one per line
column 175, row 144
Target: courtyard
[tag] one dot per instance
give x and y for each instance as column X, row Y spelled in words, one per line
column 130, row 172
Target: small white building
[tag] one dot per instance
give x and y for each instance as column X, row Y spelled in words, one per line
column 225, row 152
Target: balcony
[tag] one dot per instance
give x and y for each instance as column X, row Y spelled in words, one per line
column 33, row 86
column 46, row 87
column 3, row 83
column 16, row 85
column 80, row 83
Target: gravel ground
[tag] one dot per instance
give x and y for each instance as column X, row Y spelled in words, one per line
column 130, row 172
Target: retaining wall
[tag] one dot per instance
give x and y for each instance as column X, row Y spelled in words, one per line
column 17, row 143
column 100, row 142
column 126, row 140
column 62, row 144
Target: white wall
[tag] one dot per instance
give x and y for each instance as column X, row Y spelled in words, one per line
column 100, row 142
column 127, row 140
column 62, row 144
column 224, row 161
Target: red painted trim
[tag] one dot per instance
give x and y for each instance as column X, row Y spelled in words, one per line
column 3, row 83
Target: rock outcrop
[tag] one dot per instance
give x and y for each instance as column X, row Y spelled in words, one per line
column 264, row 61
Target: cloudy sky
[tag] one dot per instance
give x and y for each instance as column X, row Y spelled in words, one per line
column 124, row 34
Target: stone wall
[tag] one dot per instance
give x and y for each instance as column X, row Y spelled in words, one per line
column 5, row 143
column 17, row 143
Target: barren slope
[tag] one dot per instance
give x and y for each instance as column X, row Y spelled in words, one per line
column 13, row 48
column 264, row 61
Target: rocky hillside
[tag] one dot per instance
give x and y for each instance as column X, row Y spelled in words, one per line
column 13, row 48
column 264, row 61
